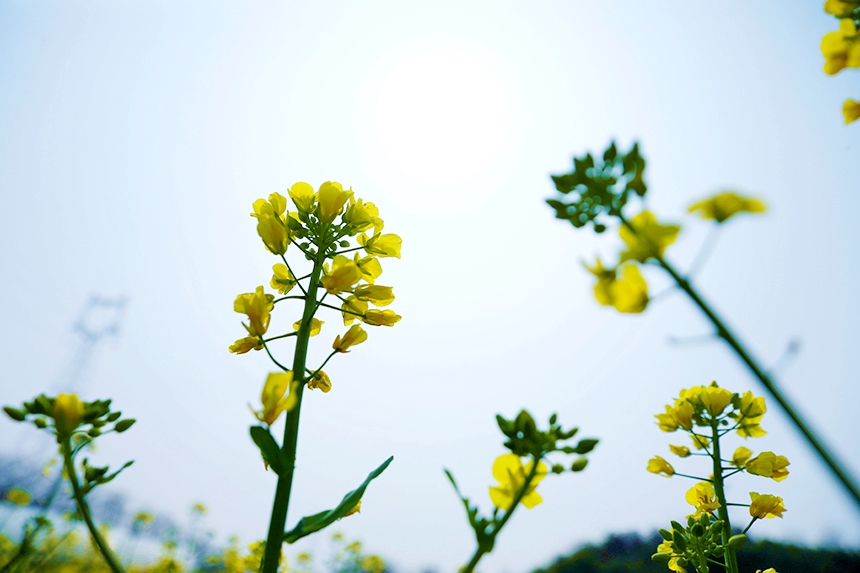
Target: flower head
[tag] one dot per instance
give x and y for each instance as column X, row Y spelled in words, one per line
column 841, row 48
column 741, row 457
column 509, row 471
column 387, row 245
column 361, row 216
column 331, row 198
column 378, row 295
column 647, row 238
column 659, row 466
column 343, row 276
column 18, row 496
column 851, row 111
column 68, row 413
column 303, row 196
column 381, row 317
column 316, row 325
column 766, row 506
column 320, row 380
column 768, row 464
column 246, row 344
column 680, row 451
column 283, row 280
column 353, row 309
column 355, row 335
column 841, row 8
column 627, row 293
column 274, row 400
column 725, row 205
column 703, row 498
column 257, row 306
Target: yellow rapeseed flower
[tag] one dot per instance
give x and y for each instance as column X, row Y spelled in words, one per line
column 700, row 442
column 627, row 293
column 673, row 565
column 276, row 205
column 509, row 471
column 355, row 335
column 316, row 325
column 257, row 306
column 372, row 564
column 352, row 307
column 768, row 464
column 841, row 8
column 766, row 506
column 725, row 205
column 362, row 216
column 841, row 48
column 647, row 238
column 246, row 344
column 303, row 196
column 378, row 295
column 283, row 280
column 851, row 111
column 703, row 498
column 749, row 416
column 144, row 518
column 18, row 496
column 667, row 422
column 741, row 457
column 715, row 399
column 659, row 466
column 321, row 381
column 381, row 317
column 68, row 413
column 387, row 245
column 331, row 198
column 370, row 267
column 343, row 276
column 273, row 397
column 680, row 451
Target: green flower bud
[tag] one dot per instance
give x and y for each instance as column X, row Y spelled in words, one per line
column 14, row 413
column 41, row 423
column 697, row 530
column 124, row 425
column 737, row 541
column 661, row 558
column 579, row 465
column 557, row 468
column 665, row 534
column 680, row 543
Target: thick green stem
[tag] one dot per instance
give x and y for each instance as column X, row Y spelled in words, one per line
column 274, row 539
column 768, row 382
column 731, row 558
column 84, row 509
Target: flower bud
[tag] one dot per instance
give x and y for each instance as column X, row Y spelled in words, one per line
column 661, row 558
column 14, row 413
column 68, row 412
column 737, row 541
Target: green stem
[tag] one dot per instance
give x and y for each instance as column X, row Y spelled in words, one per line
column 768, row 382
column 274, row 539
column 84, row 509
column 730, row 558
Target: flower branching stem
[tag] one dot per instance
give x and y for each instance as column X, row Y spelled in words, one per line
column 84, row 509
column 731, row 558
column 723, row 332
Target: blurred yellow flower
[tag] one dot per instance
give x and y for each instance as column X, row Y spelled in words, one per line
column 372, row 564
column 768, row 464
column 703, row 498
column 316, row 325
column 509, row 471
column 387, row 245
column 355, row 335
column 18, row 496
column 321, row 381
column 283, row 280
column 766, row 506
column 378, row 295
column 700, row 442
column 725, row 205
column 715, row 399
column 741, row 457
column 628, row 294
column 361, row 216
column 841, row 7
column 144, row 518
column 303, row 196
column 673, row 565
column 841, row 48
column 199, row 508
column 343, row 276
column 659, row 466
column 381, row 317
column 851, row 110
column 749, row 416
column 276, row 205
column 667, row 422
column 647, row 238
column 68, row 412
column 680, row 451
column 246, row 344
column 273, row 397
column 331, row 198
column 257, row 306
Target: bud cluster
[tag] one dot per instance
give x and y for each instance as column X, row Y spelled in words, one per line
column 693, row 545
column 66, row 416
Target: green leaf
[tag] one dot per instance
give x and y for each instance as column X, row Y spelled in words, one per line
column 585, row 446
column 313, row 523
column 269, row 449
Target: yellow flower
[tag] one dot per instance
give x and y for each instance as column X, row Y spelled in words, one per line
column 304, row 558
column 18, row 496
column 715, row 399
column 680, row 451
column 355, row 335
column 628, row 294
column 343, row 276
column 257, row 306
column 766, row 506
column 199, row 508
column 667, row 422
column 703, row 498
column 841, row 48
column 683, row 412
column 378, row 295
column 381, row 317
column 700, row 442
column 372, row 564
column 361, row 216
column 246, row 344
column 749, row 416
column 370, row 267
column 659, row 466
column 387, row 245
column 68, row 412
column 673, row 565
column 274, row 234
column 332, row 198
column 840, row 7
column 725, row 205
column 316, row 325
column 350, row 306
column 321, row 381
column 741, row 457
column 303, row 196
column 768, row 464
column 283, row 280
column 144, row 518
column 768, row 570
column 851, row 110
column 650, row 238
column 276, row 205
column 509, row 471
column 273, row 398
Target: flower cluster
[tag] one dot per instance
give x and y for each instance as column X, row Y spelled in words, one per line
column 841, row 47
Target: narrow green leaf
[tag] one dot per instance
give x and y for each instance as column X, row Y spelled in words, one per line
column 313, row 523
column 269, row 449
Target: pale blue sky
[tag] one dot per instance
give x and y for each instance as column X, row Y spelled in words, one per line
column 134, row 137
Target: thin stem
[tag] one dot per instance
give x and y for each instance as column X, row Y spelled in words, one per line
column 84, row 509
column 769, row 383
column 281, row 366
column 705, row 250
column 753, row 520
column 730, row 557
column 691, row 477
column 292, row 274
column 342, row 310
column 291, row 297
column 315, row 372
column 349, row 250
column 294, row 333
column 280, row 506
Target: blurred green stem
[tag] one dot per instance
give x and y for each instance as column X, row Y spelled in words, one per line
column 84, row 508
